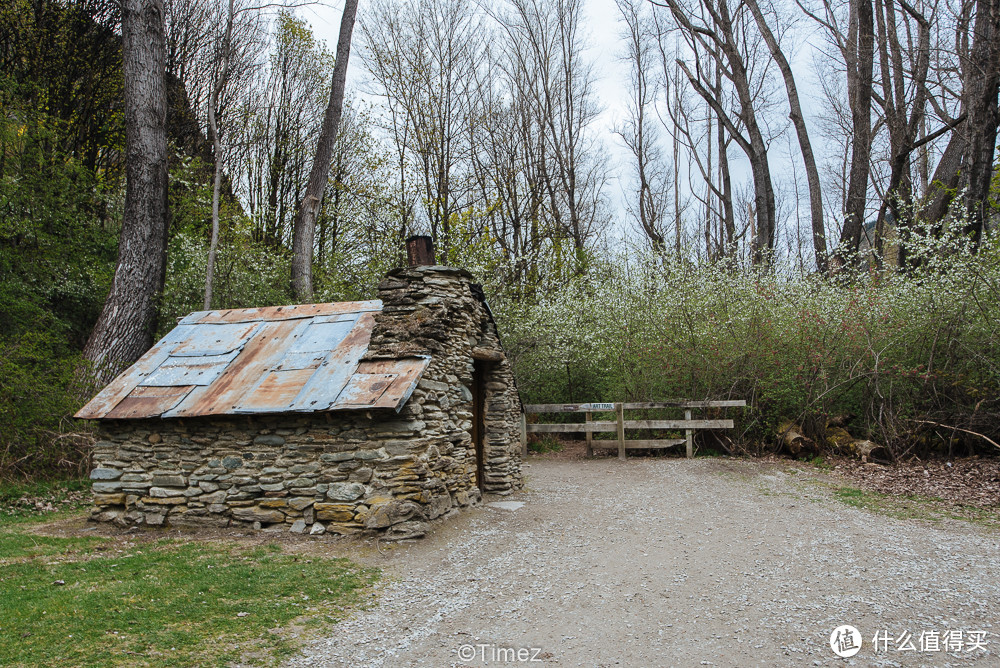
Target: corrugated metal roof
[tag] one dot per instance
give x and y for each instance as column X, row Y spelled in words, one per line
column 281, row 359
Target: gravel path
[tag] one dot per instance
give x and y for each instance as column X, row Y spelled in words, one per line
column 667, row 562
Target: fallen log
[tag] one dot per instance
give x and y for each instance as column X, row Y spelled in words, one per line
column 793, row 441
column 841, row 440
column 866, row 450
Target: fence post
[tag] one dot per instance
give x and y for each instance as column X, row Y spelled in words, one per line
column 524, row 436
column 620, row 409
column 590, row 436
column 689, row 436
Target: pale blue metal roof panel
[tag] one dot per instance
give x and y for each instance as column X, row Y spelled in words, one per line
column 321, row 391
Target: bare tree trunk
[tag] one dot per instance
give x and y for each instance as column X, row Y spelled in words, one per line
column 980, row 93
column 923, row 162
column 213, row 245
column 945, row 179
column 902, row 129
column 677, row 190
column 709, row 174
column 860, row 57
column 213, row 122
column 795, row 108
column 725, row 178
column 125, row 328
column 305, row 219
column 967, row 159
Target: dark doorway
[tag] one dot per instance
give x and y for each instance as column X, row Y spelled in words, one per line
column 479, row 370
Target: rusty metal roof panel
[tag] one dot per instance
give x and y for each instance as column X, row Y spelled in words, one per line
column 145, row 401
column 189, row 370
column 314, row 368
column 382, row 384
column 365, row 388
column 119, row 388
column 272, row 313
column 264, row 360
column 225, row 396
column 322, row 390
column 209, row 340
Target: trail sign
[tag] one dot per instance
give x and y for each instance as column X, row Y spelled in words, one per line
column 597, row 407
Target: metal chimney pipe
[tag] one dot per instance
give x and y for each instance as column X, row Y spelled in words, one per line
column 420, row 251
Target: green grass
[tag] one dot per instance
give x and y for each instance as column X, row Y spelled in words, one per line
column 915, row 507
column 819, row 462
column 94, row 601
column 10, row 491
column 545, row 444
column 18, row 543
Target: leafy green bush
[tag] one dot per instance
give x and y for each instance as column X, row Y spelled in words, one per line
column 57, row 255
column 246, row 275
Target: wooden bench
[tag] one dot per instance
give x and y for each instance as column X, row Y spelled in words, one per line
column 589, row 427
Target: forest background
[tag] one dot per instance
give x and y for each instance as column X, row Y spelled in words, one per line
column 857, row 285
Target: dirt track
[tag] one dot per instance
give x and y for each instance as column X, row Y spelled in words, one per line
column 667, row 562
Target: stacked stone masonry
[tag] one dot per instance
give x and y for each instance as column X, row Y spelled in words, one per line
column 343, row 472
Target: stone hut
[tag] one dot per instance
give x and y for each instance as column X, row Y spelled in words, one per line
column 346, row 417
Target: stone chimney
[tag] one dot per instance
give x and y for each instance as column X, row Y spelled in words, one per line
column 426, row 308
column 420, row 251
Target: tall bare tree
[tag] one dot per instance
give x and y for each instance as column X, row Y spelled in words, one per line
column 980, row 92
column 507, row 150
column 903, row 100
column 424, row 58
column 966, row 163
column 693, row 126
column 124, row 330
column 546, row 45
column 856, row 47
column 235, row 59
column 222, row 78
column 639, row 130
column 712, row 29
column 303, row 234
column 277, row 129
column 801, row 133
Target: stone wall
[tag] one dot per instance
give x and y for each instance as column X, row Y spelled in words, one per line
column 342, row 472
column 298, row 473
column 438, row 311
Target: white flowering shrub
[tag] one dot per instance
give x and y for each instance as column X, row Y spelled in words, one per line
column 246, row 275
column 896, row 352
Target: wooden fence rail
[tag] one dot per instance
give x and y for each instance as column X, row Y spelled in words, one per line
column 590, row 427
